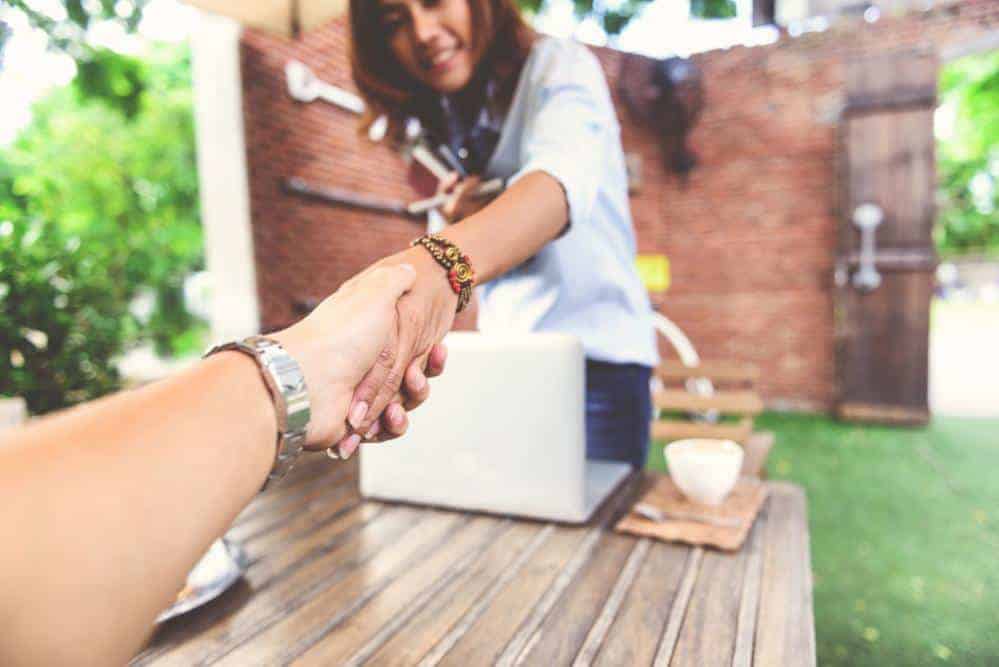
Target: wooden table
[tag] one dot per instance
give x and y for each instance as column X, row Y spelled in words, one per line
column 334, row 580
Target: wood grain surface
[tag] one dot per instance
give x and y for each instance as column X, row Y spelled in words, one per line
column 334, row 579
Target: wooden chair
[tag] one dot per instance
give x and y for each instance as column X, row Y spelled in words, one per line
column 688, row 407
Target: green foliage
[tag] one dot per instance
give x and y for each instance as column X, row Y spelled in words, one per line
column 713, row 9
column 100, row 73
column 112, row 198
column 67, row 32
column 107, row 76
column 61, row 320
column 613, row 17
column 968, row 161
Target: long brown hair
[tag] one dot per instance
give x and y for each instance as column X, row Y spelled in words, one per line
column 501, row 38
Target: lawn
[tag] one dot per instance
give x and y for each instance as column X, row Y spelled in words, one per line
column 905, row 537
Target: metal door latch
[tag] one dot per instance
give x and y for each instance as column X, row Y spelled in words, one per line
column 867, row 217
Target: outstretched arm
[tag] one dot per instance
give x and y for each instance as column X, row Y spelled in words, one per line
column 105, row 508
column 510, row 230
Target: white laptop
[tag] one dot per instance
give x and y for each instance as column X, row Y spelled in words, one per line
column 503, row 432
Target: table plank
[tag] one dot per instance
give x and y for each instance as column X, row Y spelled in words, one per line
column 304, row 525
column 298, row 628
column 635, row 633
column 314, row 493
column 511, row 618
column 485, row 640
column 625, row 579
column 749, row 603
column 785, row 630
column 412, row 589
column 268, row 606
column 559, row 639
column 678, row 610
column 709, row 627
column 489, row 573
column 531, row 627
column 286, row 494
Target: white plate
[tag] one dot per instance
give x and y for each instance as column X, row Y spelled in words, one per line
column 218, row 569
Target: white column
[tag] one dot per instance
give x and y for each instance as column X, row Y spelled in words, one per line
column 225, row 194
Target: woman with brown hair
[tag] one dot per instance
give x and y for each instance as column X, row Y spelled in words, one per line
column 555, row 251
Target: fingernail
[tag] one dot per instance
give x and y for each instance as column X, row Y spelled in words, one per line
column 373, row 431
column 348, row 448
column 357, row 413
column 395, row 414
column 408, row 267
column 420, row 383
column 441, row 357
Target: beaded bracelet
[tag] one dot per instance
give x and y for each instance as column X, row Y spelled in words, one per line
column 460, row 275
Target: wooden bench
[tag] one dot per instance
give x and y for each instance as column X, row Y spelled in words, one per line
column 733, row 395
column 336, row 580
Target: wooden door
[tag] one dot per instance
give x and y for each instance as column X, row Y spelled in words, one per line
column 889, row 173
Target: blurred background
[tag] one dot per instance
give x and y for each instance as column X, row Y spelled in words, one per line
column 106, row 228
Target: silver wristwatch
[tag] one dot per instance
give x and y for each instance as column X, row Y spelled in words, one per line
column 286, row 384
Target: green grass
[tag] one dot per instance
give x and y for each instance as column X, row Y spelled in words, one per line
column 904, row 534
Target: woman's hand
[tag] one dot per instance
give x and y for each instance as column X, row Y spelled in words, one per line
column 425, row 315
column 340, row 341
column 415, row 390
column 463, row 200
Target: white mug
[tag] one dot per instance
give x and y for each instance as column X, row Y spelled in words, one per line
column 704, row 469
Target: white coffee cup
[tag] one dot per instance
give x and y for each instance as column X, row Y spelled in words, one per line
column 704, row 469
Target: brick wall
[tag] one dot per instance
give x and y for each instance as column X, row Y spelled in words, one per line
column 750, row 236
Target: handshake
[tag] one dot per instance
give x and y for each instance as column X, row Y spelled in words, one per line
column 367, row 350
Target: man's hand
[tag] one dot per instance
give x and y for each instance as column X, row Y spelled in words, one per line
column 415, row 390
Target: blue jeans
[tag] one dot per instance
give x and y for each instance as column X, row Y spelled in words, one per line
column 618, row 411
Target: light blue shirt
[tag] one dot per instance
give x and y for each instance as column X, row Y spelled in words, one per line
column 585, row 283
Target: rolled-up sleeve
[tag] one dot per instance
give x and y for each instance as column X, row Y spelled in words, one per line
column 567, row 124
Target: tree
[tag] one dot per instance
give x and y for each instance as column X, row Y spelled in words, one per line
column 614, row 17
column 968, row 160
column 99, row 205
column 60, row 319
column 116, row 81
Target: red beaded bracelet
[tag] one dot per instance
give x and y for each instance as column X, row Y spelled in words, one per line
column 460, row 275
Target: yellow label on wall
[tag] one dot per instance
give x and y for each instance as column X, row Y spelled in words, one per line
column 654, row 271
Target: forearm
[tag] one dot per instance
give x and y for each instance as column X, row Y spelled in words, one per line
column 108, row 507
column 514, row 227
column 511, row 229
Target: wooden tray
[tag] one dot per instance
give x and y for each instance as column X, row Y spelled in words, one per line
column 744, row 503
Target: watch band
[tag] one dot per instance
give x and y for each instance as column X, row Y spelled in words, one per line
column 286, row 384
